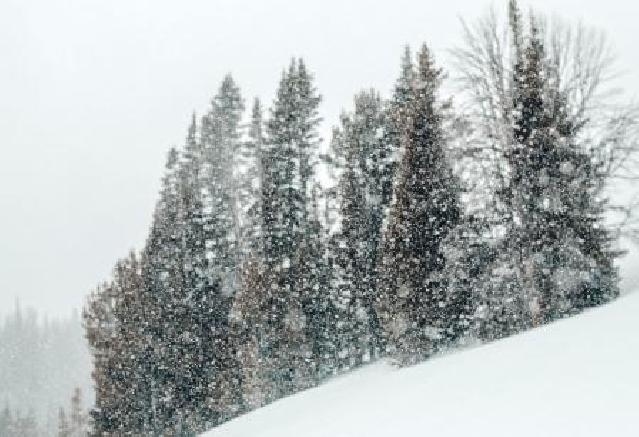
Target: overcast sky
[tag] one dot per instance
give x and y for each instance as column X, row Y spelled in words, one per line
column 92, row 94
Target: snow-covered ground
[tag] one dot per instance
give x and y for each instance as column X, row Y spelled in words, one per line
column 576, row 377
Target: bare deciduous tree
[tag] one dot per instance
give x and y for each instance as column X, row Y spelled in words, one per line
column 579, row 65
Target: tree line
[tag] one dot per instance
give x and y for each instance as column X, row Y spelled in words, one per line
column 42, row 361
column 439, row 225
column 71, row 422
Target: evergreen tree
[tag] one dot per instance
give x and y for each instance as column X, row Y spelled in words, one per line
column 64, row 429
column 6, row 421
column 128, row 371
column 131, row 325
column 202, row 312
column 395, row 120
column 198, row 275
column 254, row 181
column 288, row 164
column 41, row 360
column 101, row 326
column 26, row 426
column 556, row 232
column 360, row 149
column 254, row 330
column 163, row 291
column 415, row 293
column 77, row 416
column 313, row 283
column 221, row 141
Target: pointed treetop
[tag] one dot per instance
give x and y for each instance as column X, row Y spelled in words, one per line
column 407, row 61
column 256, row 128
column 514, row 18
column 192, row 133
column 429, row 76
column 425, row 60
column 228, row 84
column 407, row 66
column 301, row 66
column 257, row 108
column 228, row 100
column 172, row 158
column 404, row 83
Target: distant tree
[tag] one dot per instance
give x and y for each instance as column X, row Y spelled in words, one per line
column 26, row 425
column 64, row 428
column 78, row 422
column 41, row 360
column 6, row 422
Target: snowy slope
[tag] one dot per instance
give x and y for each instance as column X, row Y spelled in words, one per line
column 576, row 377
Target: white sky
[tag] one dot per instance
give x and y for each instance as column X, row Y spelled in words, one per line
column 92, row 94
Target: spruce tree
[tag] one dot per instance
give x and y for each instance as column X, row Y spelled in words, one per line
column 116, row 375
column 313, row 283
column 203, row 303
column 395, row 115
column 222, row 144
column 360, row 151
column 288, row 164
column 414, row 291
column 254, row 180
column 26, row 425
column 129, row 372
column 253, row 328
column 6, row 421
column 77, row 420
column 64, row 429
column 161, row 275
column 556, row 233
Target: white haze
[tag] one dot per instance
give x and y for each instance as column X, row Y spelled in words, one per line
column 92, row 94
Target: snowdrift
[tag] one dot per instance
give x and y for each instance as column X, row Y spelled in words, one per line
column 576, row 377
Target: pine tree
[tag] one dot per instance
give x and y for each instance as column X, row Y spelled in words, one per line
column 64, row 429
column 201, row 294
column 254, row 180
column 424, row 212
column 128, row 372
column 170, row 306
column 359, row 149
column 6, row 422
column 197, row 357
column 313, row 284
column 254, row 330
column 162, row 277
column 103, row 327
column 288, row 164
column 76, row 425
column 221, row 141
column 131, row 325
column 26, row 426
column 556, row 232
column 225, row 190
column 396, row 118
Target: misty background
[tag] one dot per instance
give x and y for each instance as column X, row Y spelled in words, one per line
column 93, row 93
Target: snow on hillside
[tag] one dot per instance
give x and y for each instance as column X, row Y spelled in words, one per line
column 576, row 377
